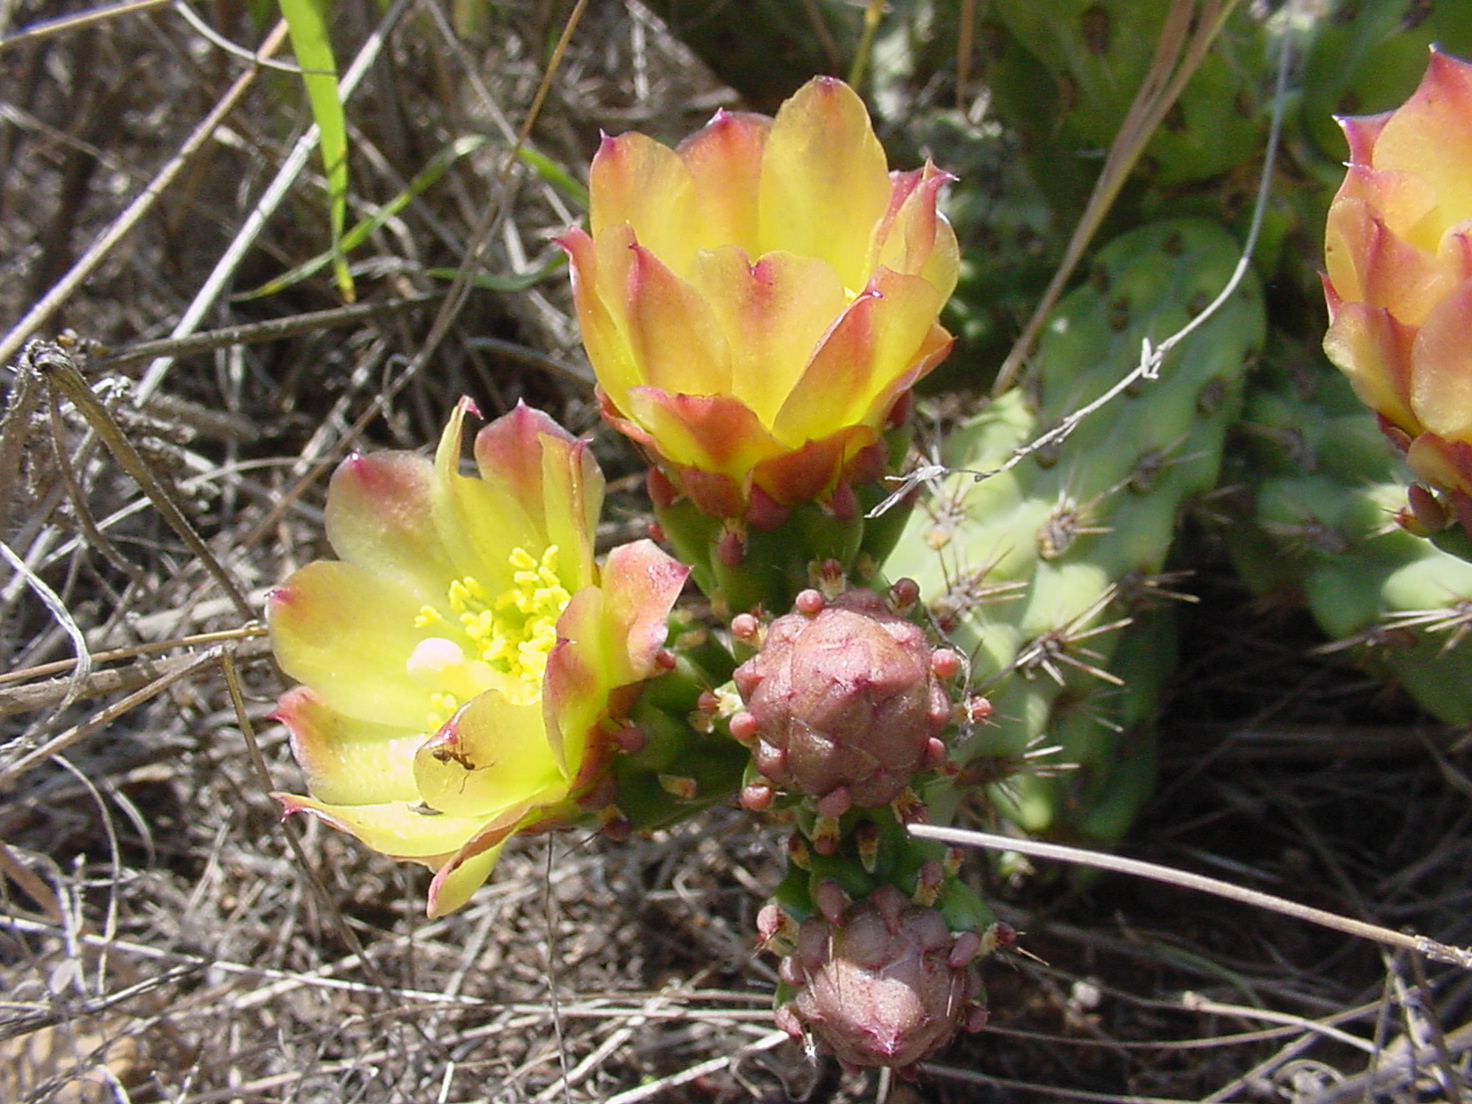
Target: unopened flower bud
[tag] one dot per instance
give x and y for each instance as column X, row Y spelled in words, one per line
column 843, row 702
column 883, row 983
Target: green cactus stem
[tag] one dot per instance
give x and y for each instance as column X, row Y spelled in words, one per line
column 1318, row 525
column 1034, row 573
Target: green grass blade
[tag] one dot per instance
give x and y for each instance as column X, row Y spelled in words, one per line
column 554, row 174
column 359, row 232
column 306, row 20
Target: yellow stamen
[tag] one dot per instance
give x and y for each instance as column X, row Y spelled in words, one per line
column 508, row 634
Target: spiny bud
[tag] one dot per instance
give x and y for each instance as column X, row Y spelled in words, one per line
column 844, row 702
column 882, row 982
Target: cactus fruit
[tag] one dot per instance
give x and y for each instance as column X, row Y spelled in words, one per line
column 1325, row 491
column 1033, row 572
column 882, row 981
column 845, row 701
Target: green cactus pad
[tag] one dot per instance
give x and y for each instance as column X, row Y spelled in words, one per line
column 1319, row 526
column 1034, row 572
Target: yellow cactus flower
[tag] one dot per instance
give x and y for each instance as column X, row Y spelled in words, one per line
column 1398, row 250
column 757, row 302
column 466, row 659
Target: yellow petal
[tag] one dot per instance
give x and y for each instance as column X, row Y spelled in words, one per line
column 555, row 479
column 348, row 633
column 637, row 181
column 480, row 522
column 774, row 313
column 825, row 180
column 394, row 828
column 879, row 345
column 492, row 755
column 379, row 517
column 347, row 760
column 599, row 275
column 577, row 682
column 463, row 874
column 724, row 159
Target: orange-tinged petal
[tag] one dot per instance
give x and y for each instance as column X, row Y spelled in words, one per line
column 1446, row 465
column 1402, row 201
column 599, row 275
column 914, row 237
column 466, row 871
column 638, row 181
column 1368, row 263
column 397, row 829
column 1430, row 135
column 1374, row 351
column 1361, row 131
column 673, row 331
column 809, row 472
column 492, row 755
column 348, row 634
column 347, row 760
column 553, row 476
column 774, row 312
column 711, row 432
column 1441, row 389
column 640, row 586
column 825, row 180
column 869, row 353
column 724, row 159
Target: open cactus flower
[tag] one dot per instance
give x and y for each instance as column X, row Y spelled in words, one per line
column 758, row 302
column 467, row 661
column 1398, row 250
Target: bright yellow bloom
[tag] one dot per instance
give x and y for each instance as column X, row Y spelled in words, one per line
column 464, row 659
column 757, row 302
column 1398, row 249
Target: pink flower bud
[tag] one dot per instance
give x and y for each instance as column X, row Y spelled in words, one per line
column 882, row 982
column 843, row 702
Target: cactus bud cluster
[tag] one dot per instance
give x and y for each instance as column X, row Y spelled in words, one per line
column 845, row 702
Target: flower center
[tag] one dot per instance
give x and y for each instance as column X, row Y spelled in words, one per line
column 493, row 641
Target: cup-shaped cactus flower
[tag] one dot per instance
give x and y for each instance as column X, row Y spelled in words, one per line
column 757, row 302
column 466, row 661
column 1398, row 253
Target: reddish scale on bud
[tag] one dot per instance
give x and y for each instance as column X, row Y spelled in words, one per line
column 746, row 628
column 883, row 982
column 843, row 702
column 731, row 544
column 903, row 596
